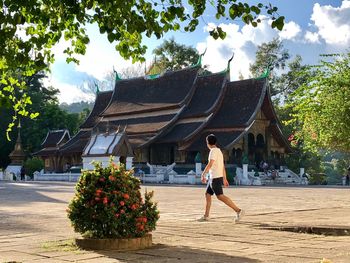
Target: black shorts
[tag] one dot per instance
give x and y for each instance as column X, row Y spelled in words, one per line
column 215, row 187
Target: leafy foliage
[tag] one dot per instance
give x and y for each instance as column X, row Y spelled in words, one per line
column 172, row 56
column 272, row 56
column 321, row 106
column 51, row 117
column 29, row 30
column 108, row 204
column 32, row 165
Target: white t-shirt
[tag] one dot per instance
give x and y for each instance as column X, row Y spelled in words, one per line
column 217, row 168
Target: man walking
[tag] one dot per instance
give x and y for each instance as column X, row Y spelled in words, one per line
column 217, row 178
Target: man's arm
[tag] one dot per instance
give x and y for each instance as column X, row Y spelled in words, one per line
column 224, row 175
column 206, row 170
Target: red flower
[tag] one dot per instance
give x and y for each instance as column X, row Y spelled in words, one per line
column 115, row 166
column 111, row 178
column 122, row 211
column 117, row 215
column 122, row 203
column 105, row 200
column 133, row 207
column 97, row 199
column 291, row 137
column 141, row 227
column 144, row 220
column 102, row 179
column 126, row 196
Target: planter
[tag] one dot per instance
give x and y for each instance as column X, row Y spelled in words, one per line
column 115, row 244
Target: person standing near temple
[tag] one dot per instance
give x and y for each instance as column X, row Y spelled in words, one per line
column 217, row 178
column 23, row 173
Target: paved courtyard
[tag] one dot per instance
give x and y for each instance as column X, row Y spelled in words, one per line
column 34, row 226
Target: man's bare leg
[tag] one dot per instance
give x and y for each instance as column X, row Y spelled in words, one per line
column 223, row 198
column 207, row 204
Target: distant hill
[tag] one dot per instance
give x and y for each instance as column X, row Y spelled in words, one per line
column 76, row 107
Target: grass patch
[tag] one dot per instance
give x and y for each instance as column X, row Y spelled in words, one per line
column 61, row 245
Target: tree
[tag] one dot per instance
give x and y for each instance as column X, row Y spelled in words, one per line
column 271, row 56
column 44, row 100
column 288, row 82
column 29, row 30
column 285, row 77
column 172, row 56
column 321, row 106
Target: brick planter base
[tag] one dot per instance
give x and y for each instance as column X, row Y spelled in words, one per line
column 115, row 244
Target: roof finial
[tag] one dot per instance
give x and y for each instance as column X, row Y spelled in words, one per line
column 267, row 71
column 265, row 74
column 199, row 62
column 228, row 62
column 97, row 88
column 116, row 75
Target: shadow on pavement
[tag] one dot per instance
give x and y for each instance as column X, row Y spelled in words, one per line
column 164, row 253
column 19, row 193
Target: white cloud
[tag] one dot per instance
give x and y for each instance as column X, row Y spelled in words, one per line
column 242, row 42
column 332, row 23
column 312, row 37
column 68, row 93
column 100, row 56
column 290, row 31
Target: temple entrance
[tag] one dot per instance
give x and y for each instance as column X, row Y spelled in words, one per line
column 162, row 154
column 259, row 149
column 122, row 159
column 251, row 148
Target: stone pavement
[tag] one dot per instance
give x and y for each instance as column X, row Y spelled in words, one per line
column 34, row 226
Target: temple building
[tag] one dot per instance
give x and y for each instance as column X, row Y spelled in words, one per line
column 50, row 150
column 164, row 119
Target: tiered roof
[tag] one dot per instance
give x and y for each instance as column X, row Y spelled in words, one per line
column 77, row 144
column 51, row 144
column 179, row 107
column 147, row 107
column 207, row 97
column 101, row 102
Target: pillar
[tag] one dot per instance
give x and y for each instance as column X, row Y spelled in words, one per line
column 245, row 171
column 129, row 163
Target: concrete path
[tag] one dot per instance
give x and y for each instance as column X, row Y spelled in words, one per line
column 34, row 226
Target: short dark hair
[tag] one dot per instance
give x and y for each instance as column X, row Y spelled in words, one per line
column 211, row 139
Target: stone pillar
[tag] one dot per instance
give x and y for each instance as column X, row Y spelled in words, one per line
column 191, row 175
column 36, row 175
column 129, row 163
column 268, row 143
column 245, row 171
column 302, row 171
column 198, row 169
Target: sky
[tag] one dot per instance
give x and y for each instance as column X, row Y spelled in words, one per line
column 311, row 28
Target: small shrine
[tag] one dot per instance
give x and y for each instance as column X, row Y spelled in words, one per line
column 17, row 157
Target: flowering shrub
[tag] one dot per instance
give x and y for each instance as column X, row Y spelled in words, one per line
column 108, row 204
